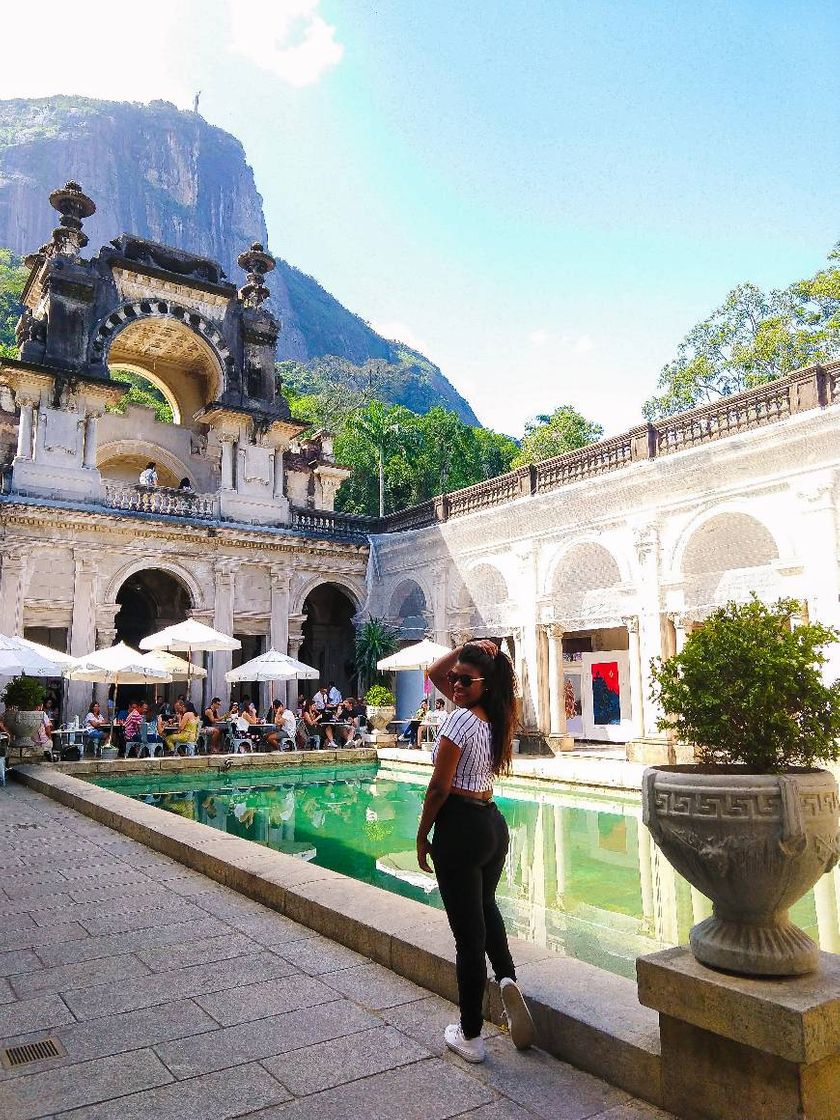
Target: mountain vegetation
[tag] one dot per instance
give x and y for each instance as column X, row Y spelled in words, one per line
column 752, row 338
column 12, row 278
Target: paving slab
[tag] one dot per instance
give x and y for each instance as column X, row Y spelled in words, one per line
column 270, row 997
column 344, row 1059
column 42, row 1094
column 427, row 1090
column 67, row 977
column 216, row 1096
column 264, row 1038
column 373, row 986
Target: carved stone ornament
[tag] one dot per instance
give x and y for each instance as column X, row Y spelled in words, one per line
column 753, row 844
column 73, row 205
column 645, row 541
column 257, row 263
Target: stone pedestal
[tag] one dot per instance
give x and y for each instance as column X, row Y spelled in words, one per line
column 658, row 750
column 558, row 744
column 734, row 1047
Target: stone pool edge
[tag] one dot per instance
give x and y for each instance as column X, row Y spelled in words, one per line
column 584, row 1015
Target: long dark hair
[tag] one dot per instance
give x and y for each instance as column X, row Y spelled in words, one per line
column 498, row 700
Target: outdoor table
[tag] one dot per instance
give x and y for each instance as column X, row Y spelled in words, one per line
column 339, row 723
column 68, row 736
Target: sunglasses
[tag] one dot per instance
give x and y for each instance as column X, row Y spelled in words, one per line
column 463, row 679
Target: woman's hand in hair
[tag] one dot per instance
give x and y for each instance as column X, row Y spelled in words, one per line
column 488, row 647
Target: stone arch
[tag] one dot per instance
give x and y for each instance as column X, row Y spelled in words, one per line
column 484, row 585
column 329, row 634
column 584, row 582
column 174, row 568
column 139, row 451
column 408, row 598
column 209, row 339
column 725, row 539
column 344, row 583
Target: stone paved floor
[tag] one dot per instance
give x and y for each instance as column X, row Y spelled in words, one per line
column 173, row 996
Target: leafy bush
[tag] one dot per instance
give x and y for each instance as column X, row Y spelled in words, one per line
column 379, row 697
column 747, row 688
column 24, row 693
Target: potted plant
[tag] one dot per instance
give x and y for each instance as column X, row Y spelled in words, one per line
column 23, row 697
column 754, row 824
column 381, row 707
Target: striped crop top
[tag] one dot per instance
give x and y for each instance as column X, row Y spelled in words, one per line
column 472, row 735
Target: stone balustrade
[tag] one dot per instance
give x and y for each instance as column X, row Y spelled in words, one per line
column 160, row 500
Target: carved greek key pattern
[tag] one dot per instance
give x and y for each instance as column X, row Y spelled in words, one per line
column 719, row 805
column 819, row 804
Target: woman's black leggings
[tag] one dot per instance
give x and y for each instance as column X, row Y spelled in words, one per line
column 469, row 846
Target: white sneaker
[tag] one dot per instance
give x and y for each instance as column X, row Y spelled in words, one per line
column 470, row 1049
column 520, row 1023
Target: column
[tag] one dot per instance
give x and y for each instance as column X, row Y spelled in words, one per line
column 559, row 739
column 818, row 520
column 12, row 583
column 227, row 441
column 83, row 627
column 278, row 473
column 637, row 696
column 278, row 632
column 224, row 574
column 91, row 435
column 678, row 622
column 825, row 901
column 25, row 428
column 105, row 636
column 646, row 541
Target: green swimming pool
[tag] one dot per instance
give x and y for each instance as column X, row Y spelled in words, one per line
column 582, row 875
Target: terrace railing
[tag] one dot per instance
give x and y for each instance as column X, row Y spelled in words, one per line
column 811, row 388
column 345, row 526
column 160, row 500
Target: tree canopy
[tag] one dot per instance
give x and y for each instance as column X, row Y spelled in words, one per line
column 12, row 279
column 423, row 456
column 752, row 338
column 547, row 435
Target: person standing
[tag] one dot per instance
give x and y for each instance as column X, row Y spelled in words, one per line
column 471, row 839
column 334, row 697
column 148, row 476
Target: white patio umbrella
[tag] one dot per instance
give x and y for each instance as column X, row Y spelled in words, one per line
column 272, row 666
column 116, row 665
column 419, row 656
column 184, row 637
column 19, row 656
column 177, row 667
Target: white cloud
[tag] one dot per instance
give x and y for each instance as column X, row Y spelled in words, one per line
column 399, row 332
column 286, row 37
column 561, row 343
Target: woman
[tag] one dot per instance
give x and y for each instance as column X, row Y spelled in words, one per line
column 187, row 732
column 471, row 838
column 94, row 723
column 311, row 721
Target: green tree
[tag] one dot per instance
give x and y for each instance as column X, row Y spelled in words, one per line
column 563, row 430
column 13, row 276
column 379, row 426
column 375, row 639
column 753, row 338
column 141, row 392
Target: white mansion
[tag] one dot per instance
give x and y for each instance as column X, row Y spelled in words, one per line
column 587, row 565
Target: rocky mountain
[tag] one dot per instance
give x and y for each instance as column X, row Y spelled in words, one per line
column 168, row 175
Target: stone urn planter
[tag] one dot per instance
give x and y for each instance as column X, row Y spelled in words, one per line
column 23, row 726
column 753, row 844
column 379, row 718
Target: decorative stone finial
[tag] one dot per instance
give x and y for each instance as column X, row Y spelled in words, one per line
column 73, row 205
column 257, row 263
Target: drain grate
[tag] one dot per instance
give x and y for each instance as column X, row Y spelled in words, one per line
column 31, row 1052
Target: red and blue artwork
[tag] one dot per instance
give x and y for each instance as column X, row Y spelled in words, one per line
column 606, row 693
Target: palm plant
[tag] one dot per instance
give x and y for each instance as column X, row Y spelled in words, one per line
column 378, row 424
column 375, row 639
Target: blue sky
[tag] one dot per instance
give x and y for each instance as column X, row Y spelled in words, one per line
column 544, row 197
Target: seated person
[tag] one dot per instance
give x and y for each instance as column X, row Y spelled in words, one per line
column 185, row 484
column 311, row 721
column 213, row 722
column 283, row 739
column 246, row 719
column 187, row 732
column 411, row 732
column 94, row 722
column 131, row 727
